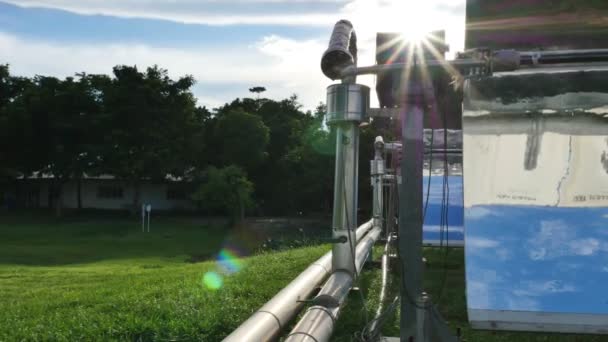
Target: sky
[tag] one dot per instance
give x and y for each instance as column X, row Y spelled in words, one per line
column 227, row 45
column 535, row 258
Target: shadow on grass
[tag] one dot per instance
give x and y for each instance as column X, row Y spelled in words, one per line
column 41, row 240
column 37, row 241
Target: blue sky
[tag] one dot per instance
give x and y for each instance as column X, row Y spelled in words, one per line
column 432, row 230
column 534, row 258
column 228, row 45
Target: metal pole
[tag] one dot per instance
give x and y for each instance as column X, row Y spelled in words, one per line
column 345, row 195
column 410, row 217
column 270, row 319
column 346, row 107
column 376, row 325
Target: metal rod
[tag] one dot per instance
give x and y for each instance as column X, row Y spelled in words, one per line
column 563, row 56
column 374, row 329
column 318, row 323
column 376, row 69
column 272, row 317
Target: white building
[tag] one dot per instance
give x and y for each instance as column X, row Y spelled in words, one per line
column 101, row 192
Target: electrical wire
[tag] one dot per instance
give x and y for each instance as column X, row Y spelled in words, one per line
column 445, row 204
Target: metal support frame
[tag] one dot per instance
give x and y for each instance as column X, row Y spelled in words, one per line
column 410, row 218
column 419, row 318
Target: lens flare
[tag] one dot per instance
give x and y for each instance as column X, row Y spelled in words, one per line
column 228, row 260
column 213, row 281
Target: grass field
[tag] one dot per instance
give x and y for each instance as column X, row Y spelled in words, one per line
column 99, row 280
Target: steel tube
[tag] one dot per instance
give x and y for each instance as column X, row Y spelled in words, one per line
column 376, row 69
column 270, row 319
column 318, row 323
column 375, row 327
column 345, row 194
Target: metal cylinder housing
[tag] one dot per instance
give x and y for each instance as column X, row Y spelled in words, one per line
column 347, row 102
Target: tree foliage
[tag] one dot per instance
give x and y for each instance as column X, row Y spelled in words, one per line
column 226, row 190
column 143, row 125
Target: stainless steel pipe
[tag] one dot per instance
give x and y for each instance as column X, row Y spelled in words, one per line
column 318, row 323
column 266, row 323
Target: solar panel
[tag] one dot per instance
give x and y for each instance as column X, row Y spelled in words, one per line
column 535, row 166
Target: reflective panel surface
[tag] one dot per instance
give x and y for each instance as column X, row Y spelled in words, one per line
column 535, row 170
column 448, row 231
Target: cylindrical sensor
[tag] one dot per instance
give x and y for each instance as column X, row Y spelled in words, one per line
column 342, row 50
column 347, row 102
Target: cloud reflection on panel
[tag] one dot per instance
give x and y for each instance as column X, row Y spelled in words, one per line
column 536, row 201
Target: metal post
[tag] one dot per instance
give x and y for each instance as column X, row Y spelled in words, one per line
column 420, row 318
column 410, row 217
column 345, row 195
column 346, row 108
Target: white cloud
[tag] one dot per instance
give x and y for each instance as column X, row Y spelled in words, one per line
column 450, row 229
column 556, row 239
column 477, row 212
column 377, row 13
column 282, row 65
column 478, row 243
column 368, row 16
column 189, row 11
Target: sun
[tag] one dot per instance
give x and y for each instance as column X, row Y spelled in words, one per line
column 401, row 16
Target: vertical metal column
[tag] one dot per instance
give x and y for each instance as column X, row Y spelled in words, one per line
column 345, row 196
column 410, row 217
column 347, row 106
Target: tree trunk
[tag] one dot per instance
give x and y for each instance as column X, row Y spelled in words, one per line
column 79, row 192
column 136, row 198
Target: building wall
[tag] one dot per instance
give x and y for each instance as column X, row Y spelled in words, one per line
column 153, row 194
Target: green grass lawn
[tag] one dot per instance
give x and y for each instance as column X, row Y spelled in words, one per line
column 105, row 280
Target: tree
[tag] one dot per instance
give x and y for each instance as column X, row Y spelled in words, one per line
column 152, row 126
column 19, row 154
column 56, row 116
column 258, row 90
column 226, row 189
column 242, row 138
